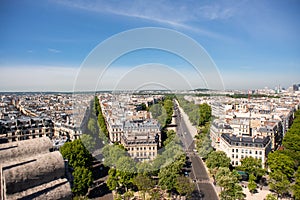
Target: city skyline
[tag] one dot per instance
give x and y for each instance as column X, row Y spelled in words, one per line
column 253, row 44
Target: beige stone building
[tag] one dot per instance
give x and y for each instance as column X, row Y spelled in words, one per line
column 30, row 171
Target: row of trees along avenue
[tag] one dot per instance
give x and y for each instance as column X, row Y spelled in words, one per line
column 282, row 167
column 217, row 161
column 200, row 116
column 284, row 175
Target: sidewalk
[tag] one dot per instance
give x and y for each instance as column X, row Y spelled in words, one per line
column 191, row 128
column 256, row 196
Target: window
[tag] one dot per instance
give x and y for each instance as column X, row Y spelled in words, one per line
column 232, row 156
column 236, row 150
column 242, row 150
column 242, row 156
column 255, row 152
column 236, row 156
column 250, row 152
column 260, row 152
column 236, row 163
column 232, row 150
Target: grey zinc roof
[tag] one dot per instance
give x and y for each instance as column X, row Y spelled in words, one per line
column 232, row 139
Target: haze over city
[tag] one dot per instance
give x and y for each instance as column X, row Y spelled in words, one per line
column 254, row 44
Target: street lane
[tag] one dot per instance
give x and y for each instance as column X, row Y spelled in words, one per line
column 204, row 190
column 199, row 168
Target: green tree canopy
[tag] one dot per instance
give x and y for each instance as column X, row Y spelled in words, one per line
column 83, row 178
column 112, row 153
column 144, row 183
column 271, row 197
column 158, row 112
column 167, row 178
column 252, row 166
column 279, row 182
column 76, row 153
column 92, row 126
column 296, row 186
column 279, row 162
column 205, row 113
column 228, row 181
column 184, row 186
column 291, row 140
column 88, row 141
column 217, row 159
column 252, row 185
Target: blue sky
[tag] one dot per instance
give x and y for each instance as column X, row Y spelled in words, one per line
column 253, row 43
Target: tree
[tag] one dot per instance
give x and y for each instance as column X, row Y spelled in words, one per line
column 271, row 197
column 252, row 166
column 217, row 159
column 168, row 106
column 88, row 141
column 112, row 181
column 205, row 113
column 92, row 126
column 128, row 194
column 155, row 194
column 204, row 146
column 167, row 177
column 184, row 186
column 233, row 192
column 112, row 153
column 77, row 154
column 228, row 181
column 252, row 185
column 279, row 183
column 170, row 137
column 83, row 178
column 296, row 186
column 279, row 162
column 143, row 183
column 291, row 140
column 125, row 172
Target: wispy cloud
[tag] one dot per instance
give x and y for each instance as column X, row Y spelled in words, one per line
column 179, row 15
column 53, row 50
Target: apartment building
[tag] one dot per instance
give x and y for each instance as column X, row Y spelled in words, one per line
column 217, row 128
column 239, row 147
column 132, row 127
column 141, row 147
column 25, row 128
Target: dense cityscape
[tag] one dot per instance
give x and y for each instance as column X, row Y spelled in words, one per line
column 149, row 100
column 177, row 145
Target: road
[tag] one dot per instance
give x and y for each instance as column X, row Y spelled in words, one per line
column 204, row 190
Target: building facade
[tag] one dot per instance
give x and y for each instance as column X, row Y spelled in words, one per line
column 237, row 147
